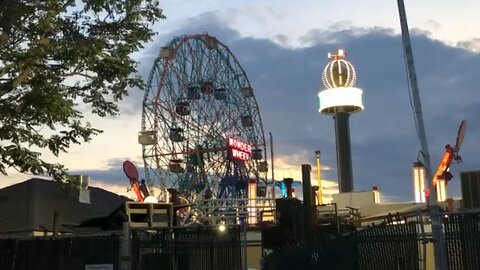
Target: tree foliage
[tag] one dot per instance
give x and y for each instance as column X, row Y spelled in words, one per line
column 56, row 55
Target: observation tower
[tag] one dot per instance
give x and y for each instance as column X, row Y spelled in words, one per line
column 341, row 99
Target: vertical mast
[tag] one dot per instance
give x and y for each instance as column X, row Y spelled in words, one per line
column 271, row 156
column 438, row 237
column 319, row 178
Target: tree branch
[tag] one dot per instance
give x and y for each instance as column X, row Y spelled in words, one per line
column 68, row 3
column 3, row 38
column 44, row 40
column 79, row 74
column 4, row 69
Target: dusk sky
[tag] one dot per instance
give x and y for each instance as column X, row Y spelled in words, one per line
column 283, row 46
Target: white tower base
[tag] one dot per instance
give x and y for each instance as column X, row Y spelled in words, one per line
column 347, row 99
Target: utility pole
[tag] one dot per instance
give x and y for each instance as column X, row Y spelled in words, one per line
column 434, row 211
column 319, row 178
column 307, row 199
column 271, row 156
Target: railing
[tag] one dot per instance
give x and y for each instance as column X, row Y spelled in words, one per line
column 389, row 246
column 73, row 253
column 197, row 248
column 462, row 237
column 234, row 211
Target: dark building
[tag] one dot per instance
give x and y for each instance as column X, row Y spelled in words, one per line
column 31, row 208
column 470, row 184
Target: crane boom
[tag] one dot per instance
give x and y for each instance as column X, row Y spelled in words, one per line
column 438, row 237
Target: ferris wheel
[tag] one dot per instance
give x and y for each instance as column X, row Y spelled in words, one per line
column 201, row 133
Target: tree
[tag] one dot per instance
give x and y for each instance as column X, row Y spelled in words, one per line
column 56, row 55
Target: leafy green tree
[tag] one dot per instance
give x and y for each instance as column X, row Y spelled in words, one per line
column 55, row 56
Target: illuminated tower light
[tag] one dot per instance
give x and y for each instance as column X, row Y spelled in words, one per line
column 339, row 77
column 348, row 99
column 441, row 190
column 376, row 194
column 418, row 174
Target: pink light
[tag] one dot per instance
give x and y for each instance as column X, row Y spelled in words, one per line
column 241, row 146
column 237, row 154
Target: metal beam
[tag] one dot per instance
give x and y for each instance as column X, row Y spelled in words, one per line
column 438, row 237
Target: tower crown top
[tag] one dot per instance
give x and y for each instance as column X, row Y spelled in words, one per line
column 338, row 72
column 340, row 54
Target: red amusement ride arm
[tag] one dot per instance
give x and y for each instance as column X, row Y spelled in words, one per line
column 132, row 173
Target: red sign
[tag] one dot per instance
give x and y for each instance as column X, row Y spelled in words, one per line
column 239, row 150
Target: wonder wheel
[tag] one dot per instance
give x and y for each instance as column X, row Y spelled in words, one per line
column 202, row 133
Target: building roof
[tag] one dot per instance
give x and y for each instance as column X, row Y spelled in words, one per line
column 30, row 206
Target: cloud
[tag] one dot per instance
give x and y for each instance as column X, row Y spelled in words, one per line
column 383, row 136
column 384, row 140
column 434, row 25
column 473, row 44
column 339, row 33
column 118, row 162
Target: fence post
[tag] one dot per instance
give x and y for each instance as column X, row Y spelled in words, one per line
column 125, row 250
column 307, row 201
column 245, row 248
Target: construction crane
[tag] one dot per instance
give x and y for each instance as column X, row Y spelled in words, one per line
column 434, row 210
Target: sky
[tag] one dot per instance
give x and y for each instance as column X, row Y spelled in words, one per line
column 283, row 48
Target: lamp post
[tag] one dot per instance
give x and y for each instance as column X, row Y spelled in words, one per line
column 341, row 99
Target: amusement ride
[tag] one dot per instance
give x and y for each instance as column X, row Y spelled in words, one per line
column 201, row 133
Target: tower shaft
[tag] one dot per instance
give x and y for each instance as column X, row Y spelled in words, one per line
column 344, row 157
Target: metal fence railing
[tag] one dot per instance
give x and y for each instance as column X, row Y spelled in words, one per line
column 196, row 248
column 235, row 210
column 73, row 253
column 462, row 237
column 393, row 244
column 187, row 249
column 388, row 246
